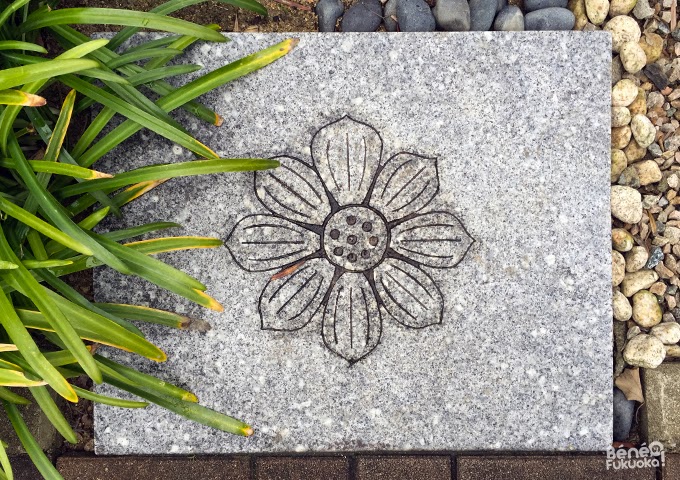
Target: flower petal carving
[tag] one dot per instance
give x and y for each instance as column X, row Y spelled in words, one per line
column 409, row 294
column 265, row 242
column 289, row 303
column 434, row 239
column 293, row 191
column 351, row 323
column 406, row 184
column 347, row 154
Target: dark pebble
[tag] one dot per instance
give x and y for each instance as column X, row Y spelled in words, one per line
column 553, row 18
column 655, row 73
column 624, row 410
column 655, row 256
column 531, row 5
column 328, row 12
column 390, row 15
column 676, row 34
column 482, row 13
column 415, row 16
column 363, row 16
column 510, row 19
column 452, row 15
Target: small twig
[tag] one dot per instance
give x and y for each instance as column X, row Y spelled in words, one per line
column 290, row 3
column 674, row 17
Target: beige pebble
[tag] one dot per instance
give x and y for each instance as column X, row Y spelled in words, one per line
column 621, row 7
column 644, row 350
column 618, row 268
column 636, row 259
column 652, row 44
column 636, row 281
column 643, row 130
column 624, row 93
column 639, row 105
column 648, row 172
column 619, row 164
column 668, row 333
column 621, row 307
column 622, row 240
column 621, row 136
column 633, row 57
column 659, row 288
column 634, row 151
column 597, row 10
column 620, row 116
column 623, row 29
column 578, row 8
column 646, row 309
column 672, row 350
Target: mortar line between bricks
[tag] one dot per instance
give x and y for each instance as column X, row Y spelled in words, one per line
column 453, row 460
column 251, row 463
column 352, row 467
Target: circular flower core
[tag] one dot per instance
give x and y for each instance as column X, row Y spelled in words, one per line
column 355, row 238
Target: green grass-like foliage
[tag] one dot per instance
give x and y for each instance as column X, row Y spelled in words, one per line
column 51, row 198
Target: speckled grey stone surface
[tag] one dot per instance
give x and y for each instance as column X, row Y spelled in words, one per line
column 505, row 135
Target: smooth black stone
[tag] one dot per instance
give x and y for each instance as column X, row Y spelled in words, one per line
column 510, row 19
column 452, row 15
column 624, row 411
column 482, row 13
column 328, row 12
column 531, row 5
column 390, row 14
column 363, row 16
column 415, row 16
column 553, row 18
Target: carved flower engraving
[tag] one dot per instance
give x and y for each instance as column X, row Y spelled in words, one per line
column 349, row 236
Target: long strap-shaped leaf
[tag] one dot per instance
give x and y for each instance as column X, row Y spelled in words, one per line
column 17, row 97
column 170, row 170
column 54, row 211
column 174, row 5
column 53, row 413
column 73, row 171
column 138, row 116
column 19, row 45
column 12, row 77
column 190, row 91
column 113, row 16
column 40, row 460
column 30, row 351
column 24, row 282
column 10, row 113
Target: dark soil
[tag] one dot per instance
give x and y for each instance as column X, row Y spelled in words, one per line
column 281, row 18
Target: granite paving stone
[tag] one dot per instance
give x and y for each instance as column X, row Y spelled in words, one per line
column 400, row 467
column 302, row 468
column 154, row 468
column 576, row 467
column 661, row 410
column 429, row 268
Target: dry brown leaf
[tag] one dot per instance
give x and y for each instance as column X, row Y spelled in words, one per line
column 629, row 383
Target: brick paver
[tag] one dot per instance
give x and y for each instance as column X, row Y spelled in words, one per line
column 154, row 468
column 302, row 468
column 403, row 467
column 661, row 410
column 577, row 467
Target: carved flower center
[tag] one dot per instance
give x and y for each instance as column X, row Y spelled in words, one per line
column 355, row 238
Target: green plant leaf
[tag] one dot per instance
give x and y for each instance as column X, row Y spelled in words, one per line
column 16, row 97
column 30, row 351
column 146, row 314
column 112, row 16
column 21, row 280
column 66, row 169
column 105, row 400
column 19, row 45
column 188, row 92
column 12, row 77
column 10, row 396
column 35, row 264
column 170, row 170
column 137, row 55
column 12, row 378
column 40, row 460
column 5, row 463
column 53, row 413
column 138, row 116
column 5, row 265
column 11, row 8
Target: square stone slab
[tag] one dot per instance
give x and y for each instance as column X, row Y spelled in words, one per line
column 429, row 268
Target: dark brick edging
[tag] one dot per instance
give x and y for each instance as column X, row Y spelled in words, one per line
column 356, row 466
